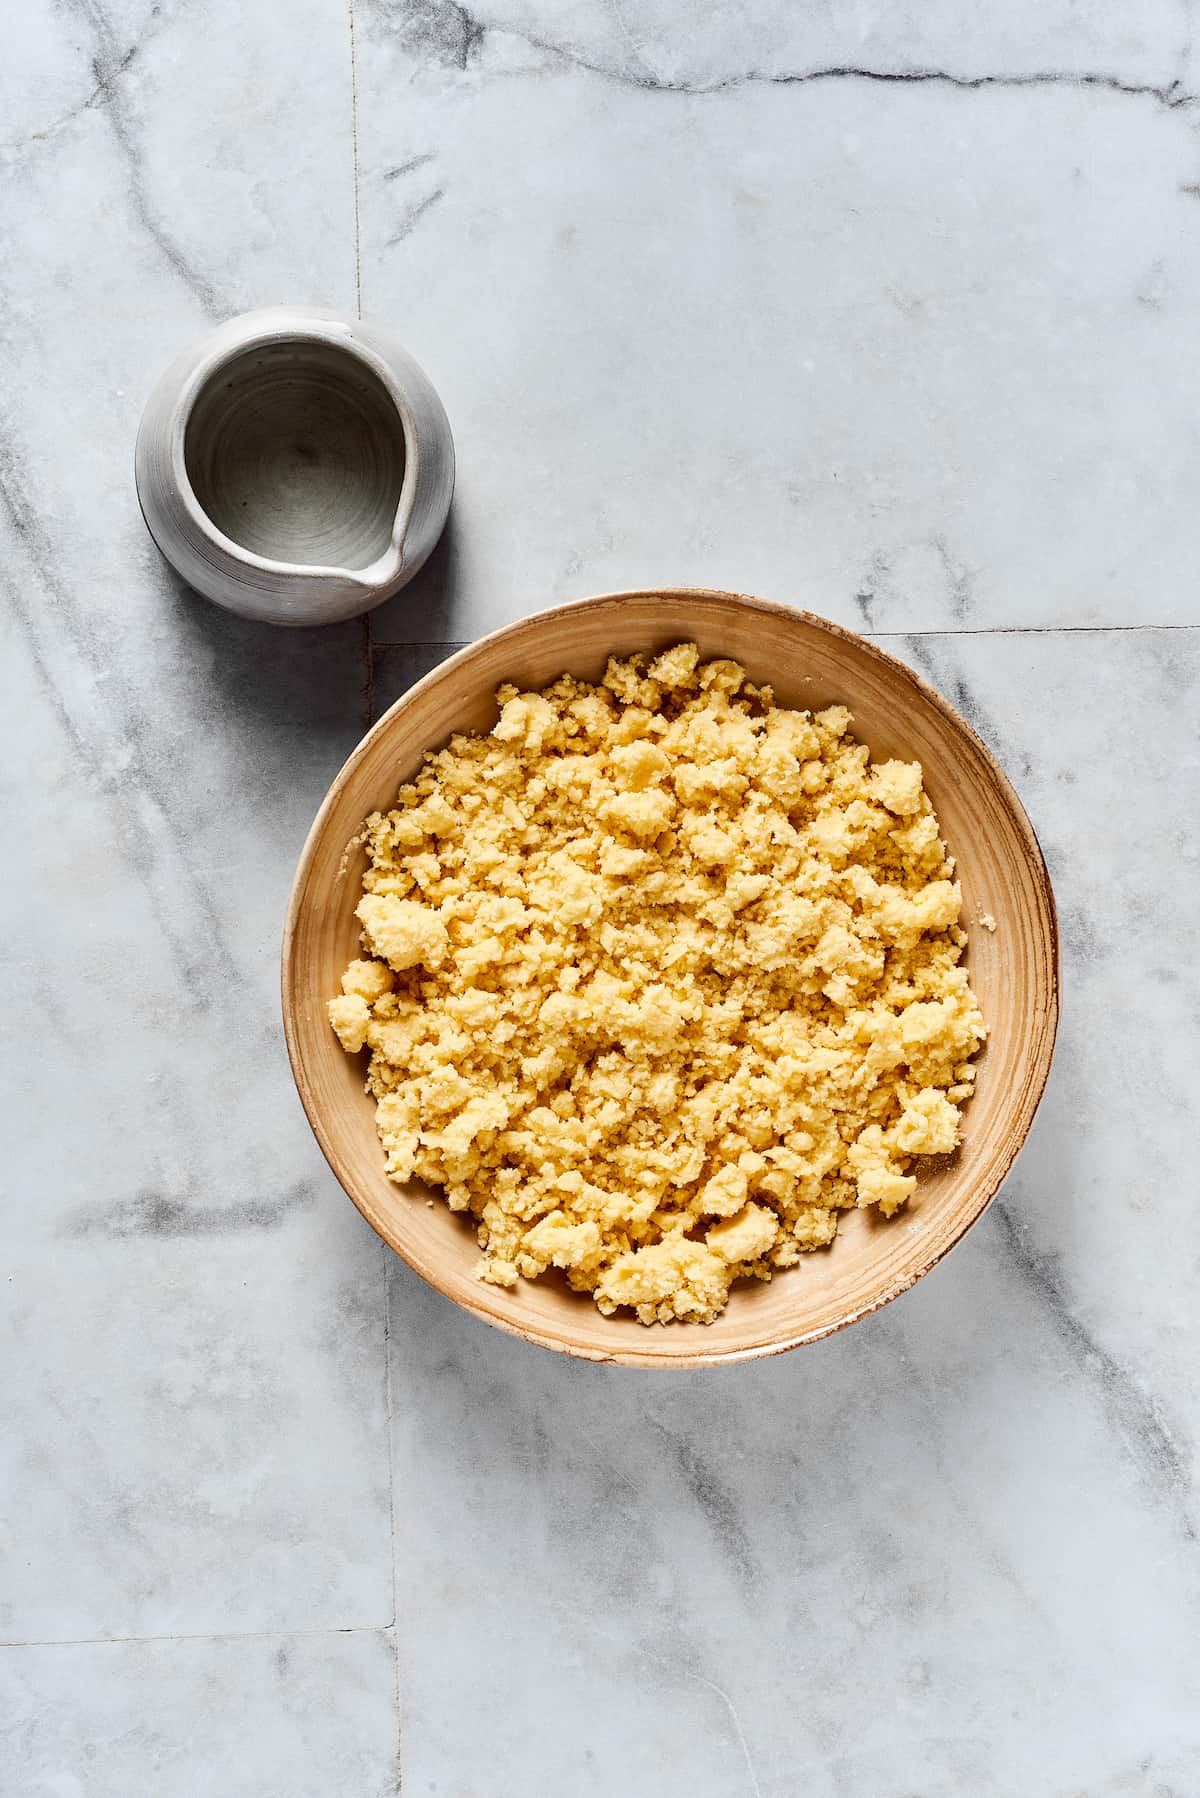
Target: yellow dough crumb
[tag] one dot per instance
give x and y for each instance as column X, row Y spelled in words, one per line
column 658, row 978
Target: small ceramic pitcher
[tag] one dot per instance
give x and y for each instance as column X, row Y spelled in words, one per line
column 295, row 467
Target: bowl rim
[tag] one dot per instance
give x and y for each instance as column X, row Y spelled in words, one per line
column 987, row 1187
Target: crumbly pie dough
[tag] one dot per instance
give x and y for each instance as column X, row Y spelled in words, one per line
column 658, row 978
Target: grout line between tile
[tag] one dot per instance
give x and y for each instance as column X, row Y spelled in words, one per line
column 367, row 646
column 354, row 150
column 984, row 630
column 229, row 1635
column 367, row 651
column 449, row 644
column 387, row 1398
column 387, row 1376
column 1032, row 630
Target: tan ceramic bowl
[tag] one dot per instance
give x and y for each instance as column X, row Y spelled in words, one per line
column 810, row 663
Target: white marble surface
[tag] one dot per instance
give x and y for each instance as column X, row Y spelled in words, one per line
column 885, row 310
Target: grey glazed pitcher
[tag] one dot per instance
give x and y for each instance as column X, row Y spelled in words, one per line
column 294, row 466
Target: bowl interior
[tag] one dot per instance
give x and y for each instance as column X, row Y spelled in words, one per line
column 295, row 451
column 1014, row 969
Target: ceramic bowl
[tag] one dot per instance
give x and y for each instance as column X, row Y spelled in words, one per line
column 810, row 663
column 294, row 466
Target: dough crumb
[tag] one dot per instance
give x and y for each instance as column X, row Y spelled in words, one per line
column 350, row 1017
column 658, row 979
column 400, row 932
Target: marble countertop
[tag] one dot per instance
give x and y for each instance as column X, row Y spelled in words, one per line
column 884, row 310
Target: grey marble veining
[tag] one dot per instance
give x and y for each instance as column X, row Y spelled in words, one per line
column 913, row 353
column 952, row 1550
column 197, row 1430
column 882, row 310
